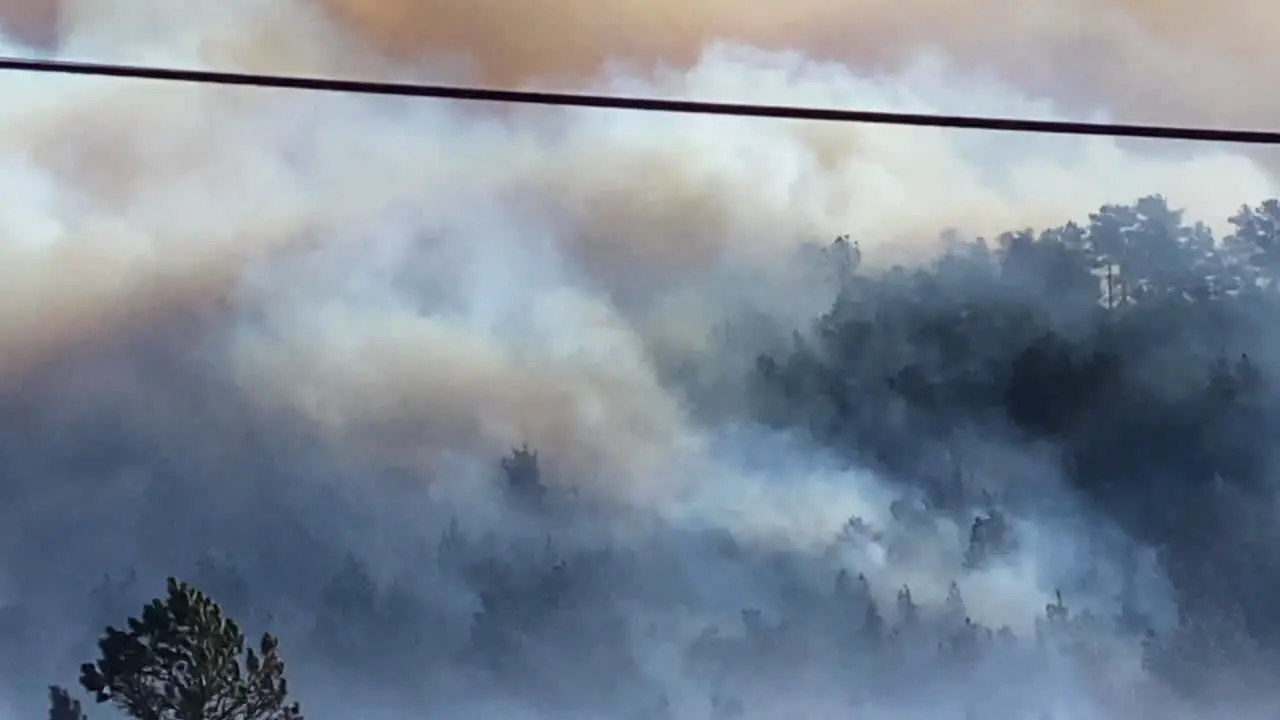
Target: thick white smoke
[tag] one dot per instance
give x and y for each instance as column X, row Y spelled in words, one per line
column 130, row 200
column 419, row 280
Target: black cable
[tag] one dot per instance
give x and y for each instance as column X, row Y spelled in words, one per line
column 525, row 97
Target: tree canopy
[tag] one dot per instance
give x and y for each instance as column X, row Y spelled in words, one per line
column 183, row 660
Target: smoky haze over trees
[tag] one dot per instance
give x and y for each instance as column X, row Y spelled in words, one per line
column 1113, row 374
column 489, row 412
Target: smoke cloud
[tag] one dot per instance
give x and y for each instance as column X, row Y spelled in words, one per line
column 1159, row 62
column 1149, row 61
column 240, row 302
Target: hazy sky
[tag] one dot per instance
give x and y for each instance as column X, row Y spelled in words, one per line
column 1156, row 60
column 404, row 282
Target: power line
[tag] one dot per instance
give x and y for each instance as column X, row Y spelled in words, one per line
column 613, row 102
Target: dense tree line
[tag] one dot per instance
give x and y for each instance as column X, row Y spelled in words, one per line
column 1137, row 347
column 545, row 625
column 1133, row 351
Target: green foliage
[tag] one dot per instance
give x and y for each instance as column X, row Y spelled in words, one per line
column 1132, row 347
column 183, row 660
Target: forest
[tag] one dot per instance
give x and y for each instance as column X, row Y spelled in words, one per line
column 1118, row 368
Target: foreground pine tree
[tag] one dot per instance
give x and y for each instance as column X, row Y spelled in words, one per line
column 183, row 660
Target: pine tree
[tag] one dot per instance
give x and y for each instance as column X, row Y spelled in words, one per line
column 183, row 660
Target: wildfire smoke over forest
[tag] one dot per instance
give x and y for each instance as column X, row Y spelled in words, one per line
column 285, row 328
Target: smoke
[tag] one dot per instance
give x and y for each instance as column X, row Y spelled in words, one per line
column 1179, row 62
column 628, row 194
column 324, row 292
column 1158, row 62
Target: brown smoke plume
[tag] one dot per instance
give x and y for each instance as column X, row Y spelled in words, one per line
column 568, row 253
column 132, row 199
column 1171, row 61
column 1148, row 60
column 34, row 22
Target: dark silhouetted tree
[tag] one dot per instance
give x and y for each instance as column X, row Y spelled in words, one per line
column 183, row 660
column 62, row 706
column 908, row 611
column 990, row 537
column 524, row 478
column 955, row 611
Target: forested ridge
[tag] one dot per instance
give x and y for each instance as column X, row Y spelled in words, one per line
column 1124, row 362
column 1135, row 345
